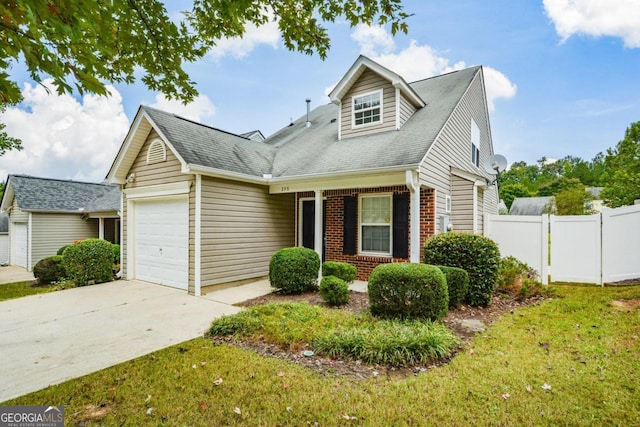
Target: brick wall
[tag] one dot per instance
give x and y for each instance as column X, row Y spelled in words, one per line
column 335, row 223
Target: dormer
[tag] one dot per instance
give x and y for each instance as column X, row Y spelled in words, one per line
column 372, row 99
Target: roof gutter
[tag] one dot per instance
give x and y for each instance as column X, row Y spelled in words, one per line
column 217, row 173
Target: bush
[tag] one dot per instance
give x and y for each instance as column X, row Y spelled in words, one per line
column 115, row 249
column 61, row 250
column 334, row 290
column 408, row 291
column 457, row 283
column 90, row 260
column 294, row 270
column 518, row 279
column 477, row 255
column 49, row 270
column 342, row 270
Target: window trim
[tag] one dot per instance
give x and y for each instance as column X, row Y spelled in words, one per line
column 447, row 203
column 380, row 92
column 361, row 251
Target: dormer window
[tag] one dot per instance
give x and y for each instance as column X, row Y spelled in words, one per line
column 367, row 108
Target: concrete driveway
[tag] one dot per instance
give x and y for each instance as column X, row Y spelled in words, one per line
column 49, row 338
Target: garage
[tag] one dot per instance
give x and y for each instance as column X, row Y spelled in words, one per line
column 19, row 245
column 161, row 242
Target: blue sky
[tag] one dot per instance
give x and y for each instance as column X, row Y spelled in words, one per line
column 562, row 77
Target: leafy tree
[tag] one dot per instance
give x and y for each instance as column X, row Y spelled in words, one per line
column 621, row 178
column 557, row 185
column 7, row 142
column 81, row 44
column 571, row 201
column 509, row 192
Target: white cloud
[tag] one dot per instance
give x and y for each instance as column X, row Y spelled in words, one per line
column 198, row 109
column 267, row 34
column 63, row 137
column 498, row 86
column 373, row 40
column 617, row 18
column 417, row 62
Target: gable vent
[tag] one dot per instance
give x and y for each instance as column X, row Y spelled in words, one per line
column 157, row 152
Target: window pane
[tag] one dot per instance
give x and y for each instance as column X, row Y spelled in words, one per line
column 376, row 238
column 376, row 210
column 366, row 108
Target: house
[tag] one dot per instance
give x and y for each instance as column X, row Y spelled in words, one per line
column 530, row 205
column 365, row 179
column 46, row 214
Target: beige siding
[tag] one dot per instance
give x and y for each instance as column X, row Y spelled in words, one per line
column 16, row 214
column 480, row 209
column 242, row 226
column 461, row 204
column 165, row 172
column 406, row 110
column 452, row 148
column 50, row 231
column 369, row 81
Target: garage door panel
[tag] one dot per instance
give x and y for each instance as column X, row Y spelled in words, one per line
column 162, row 242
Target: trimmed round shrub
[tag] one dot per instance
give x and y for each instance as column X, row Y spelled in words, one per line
column 294, row 270
column 89, row 261
column 479, row 256
column 49, row 270
column 334, row 290
column 61, row 250
column 408, row 291
column 115, row 249
column 342, row 270
column 457, row 283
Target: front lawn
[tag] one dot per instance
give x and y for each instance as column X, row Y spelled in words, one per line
column 571, row 360
column 23, row 289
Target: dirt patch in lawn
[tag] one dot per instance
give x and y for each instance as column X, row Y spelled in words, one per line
column 465, row 322
column 627, row 304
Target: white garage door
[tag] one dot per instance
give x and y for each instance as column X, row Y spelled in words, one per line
column 162, row 242
column 19, row 245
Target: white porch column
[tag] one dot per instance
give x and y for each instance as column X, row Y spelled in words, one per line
column 101, row 228
column 413, row 184
column 318, row 231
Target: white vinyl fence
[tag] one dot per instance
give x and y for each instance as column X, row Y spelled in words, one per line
column 598, row 248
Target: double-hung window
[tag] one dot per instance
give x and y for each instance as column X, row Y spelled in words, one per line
column 367, row 108
column 375, row 224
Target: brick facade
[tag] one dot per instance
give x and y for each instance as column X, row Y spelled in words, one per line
column 335, row 223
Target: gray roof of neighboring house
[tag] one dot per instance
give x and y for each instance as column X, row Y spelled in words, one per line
column 4, row 223
column 595, row 191
column 529, row 205
column 57, row 195
column 298, row 150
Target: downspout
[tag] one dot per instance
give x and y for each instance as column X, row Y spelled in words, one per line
column 412, row 180
column 198, row 240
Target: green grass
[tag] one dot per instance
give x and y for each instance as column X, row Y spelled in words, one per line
column 579, row 344
column 23, row 289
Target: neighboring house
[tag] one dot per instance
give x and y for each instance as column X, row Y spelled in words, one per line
column 46, row 214
column 4, row 239
column 365, row 179
column 530, row 205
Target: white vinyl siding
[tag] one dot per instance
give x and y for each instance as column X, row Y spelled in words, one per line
column 375, row 224
column 406, row 110
column 51, row 231
column 166, row 172
column 242, row 226
column 368, row 82
column 452, row 149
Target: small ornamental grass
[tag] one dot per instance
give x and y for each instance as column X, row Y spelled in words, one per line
column 389, row 342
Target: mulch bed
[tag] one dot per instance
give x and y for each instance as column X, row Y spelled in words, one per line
column 359, row 301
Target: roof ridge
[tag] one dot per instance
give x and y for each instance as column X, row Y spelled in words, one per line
column 193, row 121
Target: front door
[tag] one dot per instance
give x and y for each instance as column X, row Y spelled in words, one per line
column 308, row 224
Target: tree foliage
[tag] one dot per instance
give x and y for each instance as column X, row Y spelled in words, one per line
column 7, row 143
column 81, row 44
column 573, row 200
column 622, row 170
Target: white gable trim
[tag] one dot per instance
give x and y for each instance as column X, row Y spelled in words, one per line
column 356, row 70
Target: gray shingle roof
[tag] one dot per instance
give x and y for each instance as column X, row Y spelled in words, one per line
column 297, row 150
column 529, row 205
column 205, row 146
column 56, row 195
